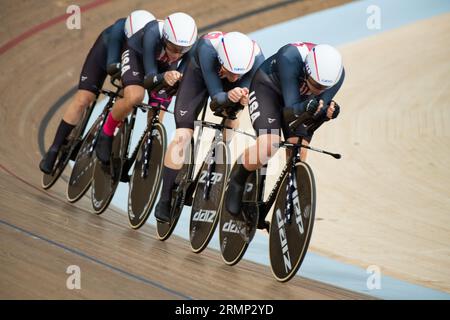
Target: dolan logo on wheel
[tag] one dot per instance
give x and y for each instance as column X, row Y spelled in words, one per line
column 235, row 233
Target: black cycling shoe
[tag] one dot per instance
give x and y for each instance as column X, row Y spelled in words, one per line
column 104, row 147
column 162, row 211
column 47, row 163
column 262, row 223
column 233, row 197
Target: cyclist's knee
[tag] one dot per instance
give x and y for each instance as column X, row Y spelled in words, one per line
column 183, row 137
column 293, row 139
column 267, row 144
column 83, row 99
column 175, row 154
column 133, row 95
column 303, row 151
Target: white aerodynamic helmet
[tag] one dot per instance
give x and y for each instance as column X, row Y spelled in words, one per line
column 136, row 21
column 324, row 65
column 236, row 52
column 180, row 29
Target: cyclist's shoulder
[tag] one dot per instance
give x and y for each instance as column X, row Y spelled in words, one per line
column 153, row 29
column 294, row 54
column 120, row 22
column 117, row 25
column 151, row 33
column 205, row 47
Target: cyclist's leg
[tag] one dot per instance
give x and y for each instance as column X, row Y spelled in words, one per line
column 81, row 100
column 91, row 79
column 133, row 82
column 133, row 94
column 266, row 118
column 191, row 94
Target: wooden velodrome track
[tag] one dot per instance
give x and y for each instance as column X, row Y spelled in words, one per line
column 42, row 234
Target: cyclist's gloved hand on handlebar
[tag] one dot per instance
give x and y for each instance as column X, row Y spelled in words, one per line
column 244, row 99
column 330, row 112
column 172, row 77
column 309, row 106
column 333, row 110
column 238, row 95
column 323, row 115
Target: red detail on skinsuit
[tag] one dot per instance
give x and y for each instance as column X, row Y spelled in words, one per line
column 45, row 25
column 213, row 35
column 308, row 45
column 173, row 30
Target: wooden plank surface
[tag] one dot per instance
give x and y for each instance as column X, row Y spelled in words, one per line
column 42, row 234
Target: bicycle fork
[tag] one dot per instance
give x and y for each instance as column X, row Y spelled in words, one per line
column 209, row 173
column 291, row 188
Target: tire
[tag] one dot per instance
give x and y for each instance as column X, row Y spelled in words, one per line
column 206, row 212
column 232, row 244
column 288, row 242
column 83, row 168
column 143, row 191
column 106, row 178
column 164, row 230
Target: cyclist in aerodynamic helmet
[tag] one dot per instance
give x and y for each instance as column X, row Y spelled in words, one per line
column 103, row 59
column 152, row 56
column 221, row 66
column 302, row 77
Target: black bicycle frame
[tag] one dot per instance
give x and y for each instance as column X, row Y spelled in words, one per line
column 290, row 165
column 211, row 166
column 129, row 160
column 111, row 100
column 148, row 145
column 85, row 121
